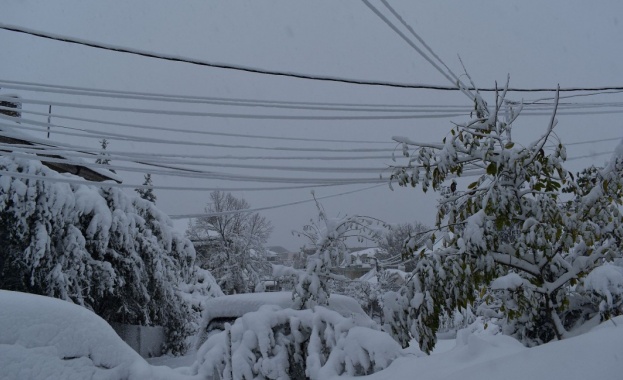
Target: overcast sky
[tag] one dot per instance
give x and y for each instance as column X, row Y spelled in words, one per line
column 540, row 44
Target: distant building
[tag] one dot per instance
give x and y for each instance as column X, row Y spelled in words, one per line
column 358, row 263
column 283, row 256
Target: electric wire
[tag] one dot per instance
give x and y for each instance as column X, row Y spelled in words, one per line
column 204, row 215
column 152, row 140
column 75, row 160
column 167, row 57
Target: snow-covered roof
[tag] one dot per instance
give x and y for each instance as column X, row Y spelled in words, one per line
column 76, row 165
column 370, row 252
column 278, row 249
column 370, row 277
column 270, row 253
column 204, row 234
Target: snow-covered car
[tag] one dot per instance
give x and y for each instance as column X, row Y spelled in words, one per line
column 267, row 338
column 48, row 338
column 221, row 310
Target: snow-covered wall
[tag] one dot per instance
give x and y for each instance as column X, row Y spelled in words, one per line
column 146, row 340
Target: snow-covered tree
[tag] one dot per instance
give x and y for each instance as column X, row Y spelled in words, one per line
column 328, row 238
column 147, row 193
column 521, row 235
column 115, row 254
column 103, row 146
column 233, row 242
column 394, row 241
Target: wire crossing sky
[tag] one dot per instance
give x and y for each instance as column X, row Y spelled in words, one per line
column 271, row 100
column 168, row 57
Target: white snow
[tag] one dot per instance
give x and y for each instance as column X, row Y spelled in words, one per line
column 238, row 305
column 46, row 338
column 481, row 356
column 607, row 281
column 510, row 281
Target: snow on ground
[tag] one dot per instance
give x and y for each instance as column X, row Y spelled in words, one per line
column 481, row 356
column 46, row 338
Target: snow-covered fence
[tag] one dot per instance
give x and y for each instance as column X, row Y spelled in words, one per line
column 146, row 340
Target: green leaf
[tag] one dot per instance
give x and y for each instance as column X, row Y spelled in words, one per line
column 509, row 145
column 492, row 169
column 472, row 185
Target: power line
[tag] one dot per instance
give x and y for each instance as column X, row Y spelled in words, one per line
column 63, row 179
column 120, row 154
column 173, row 58
column 75, row 160
column 185, row 99
column 188, row 216
column 456, row 81
column 240, row 115
column 201, row 174
column 123, row 137
column 183, row 130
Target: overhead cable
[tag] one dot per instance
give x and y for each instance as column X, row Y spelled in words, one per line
column 249, row 210
column 228, row 115
column 174, row 58
column 151, row 140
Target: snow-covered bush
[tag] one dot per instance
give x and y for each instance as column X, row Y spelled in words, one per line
column 524, row 213
column 101, row 248
column 275, row 343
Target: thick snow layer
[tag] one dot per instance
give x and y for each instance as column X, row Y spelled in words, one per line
column 510, row 281
column 47, row 338
column 482, row 356
column 606, row 280
column 234, row 306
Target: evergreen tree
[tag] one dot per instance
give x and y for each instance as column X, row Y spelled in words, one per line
column 147, row 193
column 104, row 146
column 98, row 247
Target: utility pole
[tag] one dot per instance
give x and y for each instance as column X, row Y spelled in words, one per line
column 49, row 118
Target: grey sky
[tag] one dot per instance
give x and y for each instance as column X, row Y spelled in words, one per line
column 540, row 44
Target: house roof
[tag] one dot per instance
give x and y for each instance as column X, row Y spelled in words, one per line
column 370, row 252
column 278, row 249
column 92, row 174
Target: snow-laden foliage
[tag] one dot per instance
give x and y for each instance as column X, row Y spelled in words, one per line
column 115, row 254
column 328, row 241
column 606, row 284
column 230, row 243
column 525, row 214
column 274, row 343
column 196, row 293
